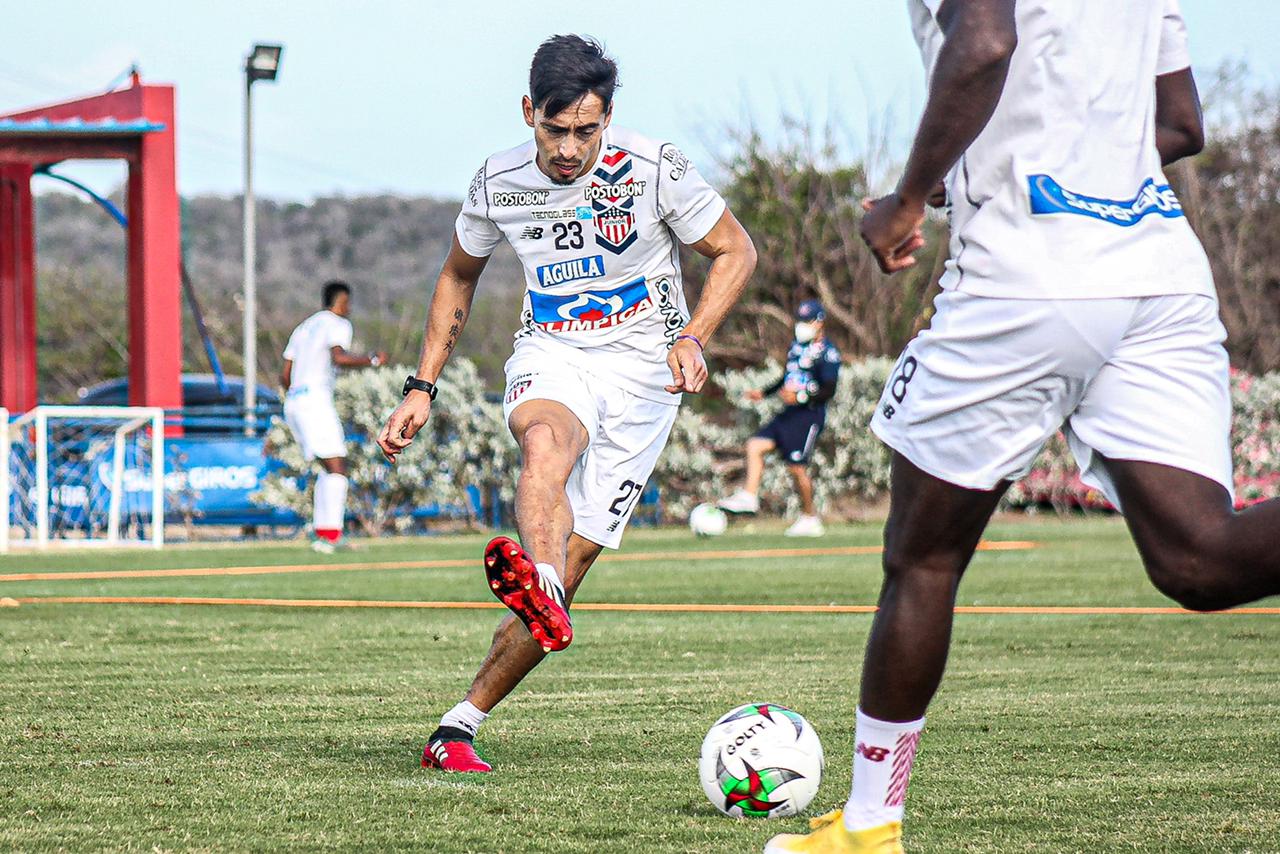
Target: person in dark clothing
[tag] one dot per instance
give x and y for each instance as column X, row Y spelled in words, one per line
column 813, row 367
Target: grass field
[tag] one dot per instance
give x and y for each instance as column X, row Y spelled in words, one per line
column 178, row 727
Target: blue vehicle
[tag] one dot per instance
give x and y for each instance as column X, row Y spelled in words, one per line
column 210, row 407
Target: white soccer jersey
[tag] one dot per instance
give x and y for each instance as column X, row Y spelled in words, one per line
column 600, row 255
column 310, row 347
column 1063, row 195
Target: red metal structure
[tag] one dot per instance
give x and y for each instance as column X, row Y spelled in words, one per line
column 136, row 125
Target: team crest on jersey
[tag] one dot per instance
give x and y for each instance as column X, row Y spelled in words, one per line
column 590, row 311
column 612, row 195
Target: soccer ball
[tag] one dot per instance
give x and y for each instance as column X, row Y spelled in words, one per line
column 762, row 760
column 708, row 520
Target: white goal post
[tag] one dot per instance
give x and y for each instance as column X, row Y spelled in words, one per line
column 82, row 475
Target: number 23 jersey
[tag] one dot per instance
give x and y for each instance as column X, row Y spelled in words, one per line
column 600, row 255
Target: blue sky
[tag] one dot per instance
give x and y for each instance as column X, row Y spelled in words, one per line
column 409, row 97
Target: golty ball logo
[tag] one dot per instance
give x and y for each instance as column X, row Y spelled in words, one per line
column 752, row 794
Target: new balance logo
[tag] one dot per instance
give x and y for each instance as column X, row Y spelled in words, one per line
column 873, row 754
column 531, row 232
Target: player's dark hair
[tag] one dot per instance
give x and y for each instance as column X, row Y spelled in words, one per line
column 565, row 68
column 331, row 291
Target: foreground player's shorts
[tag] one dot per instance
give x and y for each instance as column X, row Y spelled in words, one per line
column 627, row 434
column 315, row 425
column 974, row 398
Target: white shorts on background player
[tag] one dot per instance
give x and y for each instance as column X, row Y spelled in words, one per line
column 314, row 422
column 975, row 397
column 626, row 436
column 308, row 405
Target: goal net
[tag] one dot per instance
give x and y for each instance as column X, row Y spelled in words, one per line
column 82, row 475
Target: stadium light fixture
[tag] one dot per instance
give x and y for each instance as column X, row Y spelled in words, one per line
column 263, row 63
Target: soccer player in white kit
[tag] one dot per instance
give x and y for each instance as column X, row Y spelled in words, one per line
column 316, row 349
column 1076, row 297
column 606, row 345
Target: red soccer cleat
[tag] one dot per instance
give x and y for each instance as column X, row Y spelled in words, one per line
column 450, row 754
column 517, row 583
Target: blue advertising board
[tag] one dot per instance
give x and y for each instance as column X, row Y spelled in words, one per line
column 213, row 477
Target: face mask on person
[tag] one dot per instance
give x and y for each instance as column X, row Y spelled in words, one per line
column 806, row 332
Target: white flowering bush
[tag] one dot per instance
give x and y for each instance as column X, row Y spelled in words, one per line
column 851, row 464
column 704, row 458
column 464, row 444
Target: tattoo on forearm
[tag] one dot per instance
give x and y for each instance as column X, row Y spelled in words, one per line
column 455, row 330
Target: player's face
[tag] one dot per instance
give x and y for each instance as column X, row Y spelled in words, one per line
column 341, row 305
column 569, row 141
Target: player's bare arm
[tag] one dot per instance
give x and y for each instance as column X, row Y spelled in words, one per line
column 344, row 358
column 450, row 307
column 286, row 374
column 965, row 88
column 1179, row 120
column 733, row 260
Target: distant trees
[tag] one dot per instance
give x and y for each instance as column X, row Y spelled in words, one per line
column 802, row 209
column 1232, row 196
column 389, row 248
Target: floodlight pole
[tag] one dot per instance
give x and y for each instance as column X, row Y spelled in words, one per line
column 250, row 370
column 263, row 63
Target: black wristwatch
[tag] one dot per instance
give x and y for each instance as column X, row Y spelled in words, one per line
column 412, row 383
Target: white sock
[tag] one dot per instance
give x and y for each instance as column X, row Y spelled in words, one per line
column 330, row 503
column 464, row 716
column 550, row 576
column 883, row 755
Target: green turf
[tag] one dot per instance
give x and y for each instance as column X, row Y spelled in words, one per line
column 178, row 728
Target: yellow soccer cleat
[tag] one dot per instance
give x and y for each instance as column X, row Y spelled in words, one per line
column 829, row 836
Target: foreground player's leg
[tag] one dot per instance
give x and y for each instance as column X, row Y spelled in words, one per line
column 514, row 653
column 1196, row 548
column 931, row 534
column 533, row 580
column 511, row 657
column 528, row 577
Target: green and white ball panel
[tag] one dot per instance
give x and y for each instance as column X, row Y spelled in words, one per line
column 761, row 760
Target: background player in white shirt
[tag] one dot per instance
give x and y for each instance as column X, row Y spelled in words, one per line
column 606, row 346
column 1076, row 296
column 316, row 349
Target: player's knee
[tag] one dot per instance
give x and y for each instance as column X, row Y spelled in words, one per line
column 543, row 450
column 900, row 564
column 1188, row 577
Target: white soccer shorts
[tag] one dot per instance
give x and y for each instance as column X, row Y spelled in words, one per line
column 627, row 434
column 974, row 398
column 314, row 422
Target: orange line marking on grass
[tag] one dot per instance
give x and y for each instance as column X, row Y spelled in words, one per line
column 655, row 607
column 454, row 563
